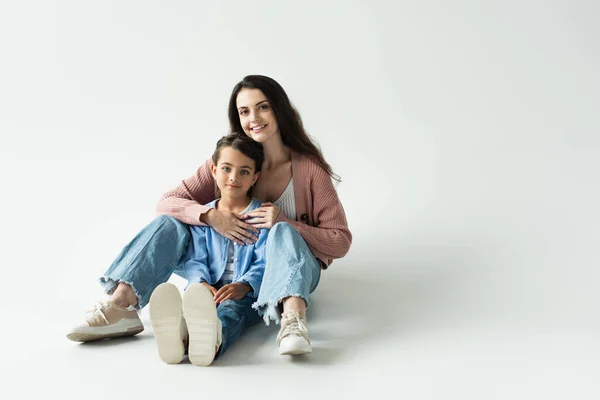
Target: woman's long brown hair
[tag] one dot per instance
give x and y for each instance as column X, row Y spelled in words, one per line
column 288, row 119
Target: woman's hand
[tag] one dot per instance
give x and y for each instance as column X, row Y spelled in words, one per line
column 265, row 216
column 231, row 225
column 232, row 291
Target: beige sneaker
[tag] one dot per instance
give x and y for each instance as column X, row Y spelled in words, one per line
column 107, row 320
column 200, row 313
column 167, row 322
column 293, row 335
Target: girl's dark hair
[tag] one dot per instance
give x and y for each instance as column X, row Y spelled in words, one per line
column 243, row 144
column 246, row 146
column 288, row 119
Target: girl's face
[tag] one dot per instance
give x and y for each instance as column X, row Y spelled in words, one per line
column 234, row 173
column 256, row 116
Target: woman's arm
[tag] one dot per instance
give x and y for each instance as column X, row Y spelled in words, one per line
column 186, row 201
column 330, row 238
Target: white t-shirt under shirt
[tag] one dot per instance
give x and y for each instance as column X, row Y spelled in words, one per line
column 227, row 276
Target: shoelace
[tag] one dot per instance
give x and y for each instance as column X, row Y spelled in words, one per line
column 292, row 323
column 98, row 309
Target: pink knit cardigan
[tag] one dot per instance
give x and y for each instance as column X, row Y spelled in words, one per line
column 320, row 217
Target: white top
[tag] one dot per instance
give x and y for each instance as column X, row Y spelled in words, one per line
column 287, row 201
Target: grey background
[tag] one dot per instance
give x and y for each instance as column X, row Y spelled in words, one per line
column 467, row 137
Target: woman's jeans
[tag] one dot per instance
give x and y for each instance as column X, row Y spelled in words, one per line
column 159, row 249
column 291, row 270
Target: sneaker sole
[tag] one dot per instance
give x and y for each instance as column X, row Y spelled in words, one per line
column 165, row 317
column 200, row 315
column 123, row 328
column 293, row 349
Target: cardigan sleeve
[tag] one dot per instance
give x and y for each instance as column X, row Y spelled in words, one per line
column 330, row 238
column 186, row 201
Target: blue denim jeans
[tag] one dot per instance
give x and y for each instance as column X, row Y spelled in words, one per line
column 150, row 258
column 291, row 271
column 158, row 251
column 235, row 316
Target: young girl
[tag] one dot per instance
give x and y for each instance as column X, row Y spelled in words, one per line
column 218, row 272
column 308, row 227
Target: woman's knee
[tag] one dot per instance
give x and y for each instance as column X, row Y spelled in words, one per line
column 285, row 244
column 171, row 223
column 284, row 231
column 283, row 226
column 166, row 219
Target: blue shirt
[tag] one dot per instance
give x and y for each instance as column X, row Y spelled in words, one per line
column 207, row 253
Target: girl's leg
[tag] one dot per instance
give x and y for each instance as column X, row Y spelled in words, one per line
column 212, row 330
column 291, row 274
column 147, row 261
column 235, row 316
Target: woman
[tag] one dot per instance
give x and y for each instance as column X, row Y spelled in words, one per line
column 308, row 227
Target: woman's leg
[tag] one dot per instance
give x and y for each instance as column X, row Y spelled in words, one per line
column 147, row 261
column 123, row 296
column 291, row 274
column 143, row 264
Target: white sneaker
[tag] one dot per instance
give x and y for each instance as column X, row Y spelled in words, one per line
column 107, row 320
column 293, row 335
column 200, row 313
column 167, row 321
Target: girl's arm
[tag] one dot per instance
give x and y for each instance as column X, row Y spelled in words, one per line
column 253, row 277
column 196, row 266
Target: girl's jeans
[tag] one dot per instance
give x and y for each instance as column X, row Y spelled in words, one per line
column 158, row 251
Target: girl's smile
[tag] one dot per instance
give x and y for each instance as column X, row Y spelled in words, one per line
column 234, row 173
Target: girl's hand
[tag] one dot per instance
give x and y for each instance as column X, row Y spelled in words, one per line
column 265, row 216
column 211, row 288
column 232, row 291
column 231, row 225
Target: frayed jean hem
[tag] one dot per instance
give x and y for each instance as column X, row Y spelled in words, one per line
column 269, row 310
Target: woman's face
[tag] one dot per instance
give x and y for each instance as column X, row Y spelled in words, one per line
column 256, row 115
